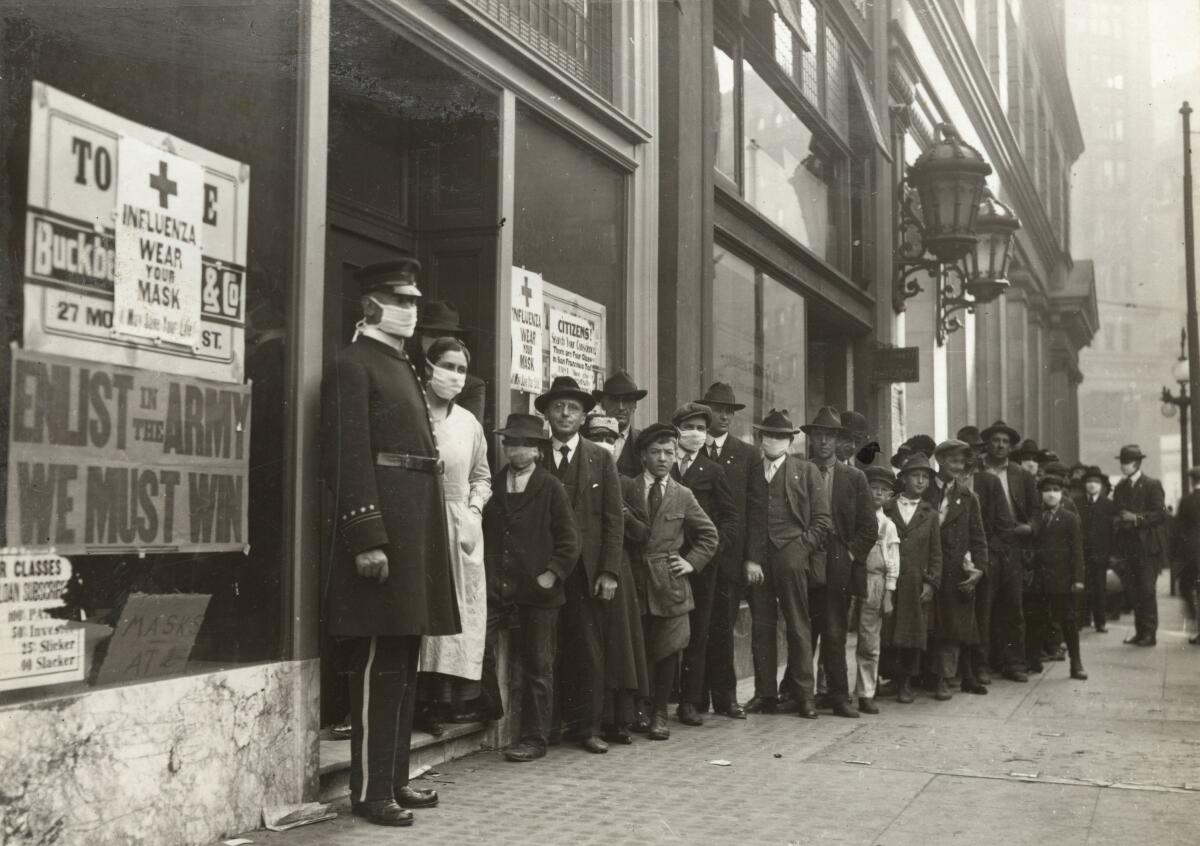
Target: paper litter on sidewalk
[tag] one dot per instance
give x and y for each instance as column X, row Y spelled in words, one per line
column 721, row 762
column 287, row 817
column 237, row 841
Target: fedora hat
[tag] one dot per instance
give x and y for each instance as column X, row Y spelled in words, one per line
column 689, row 410
column 597, row 421
column 620, row 384
column 827, row 420
column 916, row 461
column 1051, row 479
column 1056, row 468
column 1131, row 452
column 438, row 316
column 527, row 426
column 393, row 277
column 564, row 387
column 971, row 435
column 951, row 445
column 776, row 422
column 1028, row 448
column 880, row 474
column 721, row 393
column 652, row 433
column 1094, row 472
column 1001, row 428
column 855, row 424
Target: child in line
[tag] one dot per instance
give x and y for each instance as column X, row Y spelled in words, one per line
column 882, row 571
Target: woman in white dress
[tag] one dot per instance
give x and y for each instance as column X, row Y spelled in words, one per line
column 451, row 665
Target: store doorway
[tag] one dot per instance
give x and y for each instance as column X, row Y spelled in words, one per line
column 413, row 170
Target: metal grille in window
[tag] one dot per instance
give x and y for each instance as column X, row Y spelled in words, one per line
column 574, row 35
column 837, row 94
column 810, row 80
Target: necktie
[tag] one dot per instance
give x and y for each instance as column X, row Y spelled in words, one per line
column 713, row 452
column 566, row 456
column 684, row 465
column 656, row 496
column 770, row 471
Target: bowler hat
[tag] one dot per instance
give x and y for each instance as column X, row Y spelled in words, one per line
column 971, row 435
column 827, row 420
column 1001, row 428
column 689, row 410
column 652, row 433
column 721, row 393
column 1050, row 479
column 620, row 384
column 777, row 422
column 855, row 424
column 922, row 444
column 527, row 426
column 564, row 387
column 598, row 421
column 395, row 277
column 880, row 474
column 1094, row 472
column 438, row 316
column 1027, row 449
column 952, row 445
column 1131, row 452
column 1055, row 468
column 916, row 461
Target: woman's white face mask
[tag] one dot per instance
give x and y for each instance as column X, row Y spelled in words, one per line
column 446, row 383
column 1052, row 498
column 775, row 447
column 1093, row 488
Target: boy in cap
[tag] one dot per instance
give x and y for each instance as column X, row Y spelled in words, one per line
column 882, row 570
column 1096, row 515
column 531, row 547
column 1055, row 575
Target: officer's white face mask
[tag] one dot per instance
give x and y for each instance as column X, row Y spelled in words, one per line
column 1093, row 488
column 399, row 321
column 775, row 447
column 1128, row 468
column 1052, row 498
column 446, row 383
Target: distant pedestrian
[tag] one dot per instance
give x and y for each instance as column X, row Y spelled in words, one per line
column 1140, row 541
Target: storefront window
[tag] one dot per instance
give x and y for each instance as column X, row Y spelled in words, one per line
column 726, row 114
column 170, row 507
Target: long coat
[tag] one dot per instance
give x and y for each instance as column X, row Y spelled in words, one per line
column 1096, row 519
column 1187, row 529
column 853, row 529
column 526, row 536
column 628, row 462
column 372, row 403
column 738, row 459
column 1057, row 553
column 596, row 498
column 706, row 480
column 961, row 532
column 625, row 665
column 920, row 564
column 994, row 510
column 1147, row 540
column 679, row 527
column 806, row 500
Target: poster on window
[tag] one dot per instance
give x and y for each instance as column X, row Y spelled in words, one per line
column 117, row 214
column 105, row 459
column 36, row 648
column 526, row 327
column 574, row 347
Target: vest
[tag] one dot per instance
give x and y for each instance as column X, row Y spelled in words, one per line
column 782, row 526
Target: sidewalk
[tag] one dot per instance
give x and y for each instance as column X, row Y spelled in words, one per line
column 1110, row 761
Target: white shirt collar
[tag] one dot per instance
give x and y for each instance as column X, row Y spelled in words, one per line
column 376, row 334
column 572, row 444
column 775, row 462
column 1137, row 474
column 719, row 440
column 648, row 480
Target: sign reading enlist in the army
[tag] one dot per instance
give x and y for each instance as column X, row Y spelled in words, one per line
column 35, row 648
column 121, row 210
column 104, row 458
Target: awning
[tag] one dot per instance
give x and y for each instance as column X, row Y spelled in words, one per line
column 868, row 107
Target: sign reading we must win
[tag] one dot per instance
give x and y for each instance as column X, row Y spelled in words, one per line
column 107, row 458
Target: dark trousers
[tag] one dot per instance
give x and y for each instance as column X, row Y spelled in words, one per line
column 946, row 659
column 537, row 636
column 383, row 693
column 691, row 680
column 784, row 591
column 976, row 655
column 1042, row 611
column 1096, row 582
column 1141, row 588
column 829, row 605
column 720, row 673
column 582, row 628
column 1007, row 617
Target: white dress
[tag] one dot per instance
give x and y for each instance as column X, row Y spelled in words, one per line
column 467, row 481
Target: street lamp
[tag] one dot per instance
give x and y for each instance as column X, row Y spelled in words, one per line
column 953, row 229
column 1171, row 404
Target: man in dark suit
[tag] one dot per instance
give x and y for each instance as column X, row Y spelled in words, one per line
column 391, row 580
column 1007, row 617
column 738, row 460
column 706, row 480
column 851, row 536
column 619, row 398
column 1140, row 541
column 594, row 488
column 787, row 518
column 1097, row 513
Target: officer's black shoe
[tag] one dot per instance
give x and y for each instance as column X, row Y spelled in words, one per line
column 382, row 812
column 410, row 797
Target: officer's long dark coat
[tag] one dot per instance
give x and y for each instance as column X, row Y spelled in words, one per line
column 920, row 564
column 961, row 532
column 372, row 403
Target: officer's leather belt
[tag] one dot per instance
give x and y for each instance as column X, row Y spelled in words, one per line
column 419, row 463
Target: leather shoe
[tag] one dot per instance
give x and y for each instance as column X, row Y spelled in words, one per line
column 762, row 705
column 524, row 752
column 641, row 724
column 688, row 715
column 1148, row 640
column 973, row 686
column 1019, row 676
column 841, row 708
column 619, row 735
column 1059, row 654
column 1135, row 640
column 658, row 728
column 867, row 706
column 983, row 676
column 410, row 797
column 594, row 745
column 1035, row 667
column 807, row 710
column 382, row 812
column 1101, row 629
column 904, row 691
column 940, row 692
column 733, row 711
column 1077, row 672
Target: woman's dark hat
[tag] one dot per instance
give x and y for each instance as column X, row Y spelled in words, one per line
column 880, row 474
column 1051, row 480
column 916, row 461
column 393, row 277
column 827, row 420
column 922, row 444
column 438, row 316
column 564, row 387
column 1001, row 428
column 721, row 393
column 1049, row 456
column 652, row 433
column 867, row 454
column 689, row 410
column 527, row 426
column 902, row 455
column 620, row 384
column 1131, row 452
column 776, row 423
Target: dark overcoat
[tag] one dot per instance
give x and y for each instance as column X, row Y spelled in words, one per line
column 961, row 532
column 920, row 564
column 1147, row 541
column 372, row 403
column 1057, row 553
column 706, row 480
column 994, row 510
column 628, row 462
column 625, row 666
column 738, row 460
column 595, row 495
column 1096, row 519
column 526, row 535
column 853, row 529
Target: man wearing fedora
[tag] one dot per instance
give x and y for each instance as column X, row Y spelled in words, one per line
column 738, row 460
column 594, row 488
column 706, row 480
column 1007, row 571
column 851, row 535
column 390, row 582
column 1140, row 540
column 439, row 319
column 619, row 398
column 787, row 519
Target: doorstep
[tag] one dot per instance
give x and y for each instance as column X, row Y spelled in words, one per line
column 460, row 740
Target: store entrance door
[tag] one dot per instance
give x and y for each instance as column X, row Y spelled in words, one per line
column 413, row 170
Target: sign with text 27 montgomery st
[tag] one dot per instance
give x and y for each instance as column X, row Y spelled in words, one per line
column 135, row 243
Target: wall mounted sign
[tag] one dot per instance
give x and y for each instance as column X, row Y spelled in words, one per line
column 890, row 366
column 527, row 319
column 36, row 649
column 576, row 329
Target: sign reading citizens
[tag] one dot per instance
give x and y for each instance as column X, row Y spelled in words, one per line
column 104, row 459
column 135, row 243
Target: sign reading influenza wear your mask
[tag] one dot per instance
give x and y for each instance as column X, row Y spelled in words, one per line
column 135, row 244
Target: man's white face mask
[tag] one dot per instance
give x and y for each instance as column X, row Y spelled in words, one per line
column 775, row 447
column 1093, row 488
column 1128, row 468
